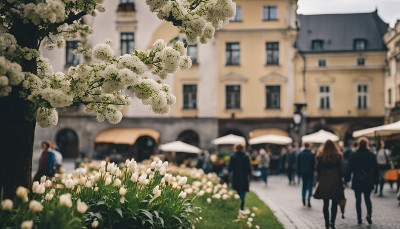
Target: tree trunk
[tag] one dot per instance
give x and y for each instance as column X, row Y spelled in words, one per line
column 16, row 132
column 16, row 145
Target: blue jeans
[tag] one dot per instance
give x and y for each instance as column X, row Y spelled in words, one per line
column 242, row 196
column 264, row 174
column 307, row 185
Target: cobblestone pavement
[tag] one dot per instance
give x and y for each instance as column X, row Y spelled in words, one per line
column 285, row 201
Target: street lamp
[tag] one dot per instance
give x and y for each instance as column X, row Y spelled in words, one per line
column 297, row 118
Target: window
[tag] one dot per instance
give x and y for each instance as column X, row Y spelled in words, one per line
column 324, row 97
column 360, row 44
column 317, row 45
column 272, row 53
column 189, row 96
column 70, row 58
column 273, row 97
column 233, row 53
column 126, row 5
column 238, row 15
column 233, row 97
column 389, row 96
column 362, row 96
column 127, row 45
column 270, row 13
column 321, row 63
column 192, row 52
column 126, row 1
column 360, row 61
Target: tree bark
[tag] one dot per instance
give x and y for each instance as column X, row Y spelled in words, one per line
column 16, row 145
column 16, row 132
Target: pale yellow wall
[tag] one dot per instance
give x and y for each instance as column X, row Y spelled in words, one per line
column 342, row 75
column 252, row 34
column 252, row 14
column 392, row 79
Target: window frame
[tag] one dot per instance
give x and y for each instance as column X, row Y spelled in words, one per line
column 272, row 106
column 195, row 59
column 324, row 95
column 317, row 41
column 358, row 94
column 76, row 59
column 233, row 97
column 320, row 61
column 274, row 52
column 358, row 40
column 268, row 10
column 359, row 59
column 128, row 41
column 237, row 17
column 229, row 59
column 389, row 96
column 190, row 95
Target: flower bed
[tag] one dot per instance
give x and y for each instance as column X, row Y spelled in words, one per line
column 134, row 195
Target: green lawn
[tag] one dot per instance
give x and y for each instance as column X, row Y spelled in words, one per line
column 221, row 214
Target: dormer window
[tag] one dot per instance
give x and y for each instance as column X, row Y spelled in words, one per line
column 317, row 45
column 360, row 44
column 126, row 5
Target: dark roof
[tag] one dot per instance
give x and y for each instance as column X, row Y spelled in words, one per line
column 338, row 31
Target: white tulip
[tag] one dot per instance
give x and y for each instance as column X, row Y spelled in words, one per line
column 27, row 224
column 88, row 184
column 22, row 193
column 43, row 179
column 49, row 196
column 96, row 189
column 122, row 191
column 95, row 224
column 134, row 178
column 153, row 165
column 48, row 184
column 182, row 181
column 81, row 206
column 35, row 206
column 142, row 178
column 162, row 171
column 7, row 205
column 65, row 199
column 108, row 181
column 182, row 195
column 117, row 183
column 208, row 200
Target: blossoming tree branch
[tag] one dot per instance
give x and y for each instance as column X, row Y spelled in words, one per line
column 30, row 91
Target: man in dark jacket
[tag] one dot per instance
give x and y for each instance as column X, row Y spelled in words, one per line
column 239, row 167
column 305, row 168
column 363, row 166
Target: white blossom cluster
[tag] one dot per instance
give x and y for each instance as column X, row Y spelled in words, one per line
column 197, row 19
column 10, row 75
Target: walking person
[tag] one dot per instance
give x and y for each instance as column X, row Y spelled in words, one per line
column 207, row 164
column 305, row 168
column 363, row 166
column 382, row 158
column 289, row 160
column 263, row 164
column 329, row 165
column 239, row 167
column 47, row 162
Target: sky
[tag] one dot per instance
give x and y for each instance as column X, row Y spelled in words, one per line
column 388, row 10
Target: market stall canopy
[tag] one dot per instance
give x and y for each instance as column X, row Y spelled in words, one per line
column 229, row 140
column 126, row 136
column 384, row 130
column 272, row 139
column 265, row 131
column 179, row 146
column 320, row 137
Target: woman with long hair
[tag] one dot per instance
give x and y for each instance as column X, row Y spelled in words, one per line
column 329, row 165
column 363, row 166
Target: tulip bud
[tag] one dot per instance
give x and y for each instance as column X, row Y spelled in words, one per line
column 7, row 205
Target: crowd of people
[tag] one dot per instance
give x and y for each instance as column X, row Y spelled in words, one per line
column 330, row 168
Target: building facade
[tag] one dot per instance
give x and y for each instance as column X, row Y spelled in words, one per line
column 392, row 79
column 247, row 80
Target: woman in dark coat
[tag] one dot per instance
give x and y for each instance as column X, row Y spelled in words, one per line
column 329, row 166
column 239, row 167
column 363, row 166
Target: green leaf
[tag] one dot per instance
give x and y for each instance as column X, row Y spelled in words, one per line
column 119, row 212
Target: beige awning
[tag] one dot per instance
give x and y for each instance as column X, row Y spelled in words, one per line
column 260, row 132
column 126, row 136
column 384, row 130
column 179, row 146
column 271, row 139
column 320, row 137
column 229, row 140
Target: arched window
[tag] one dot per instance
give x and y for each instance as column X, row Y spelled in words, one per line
column 189, row 137
column 68, row 143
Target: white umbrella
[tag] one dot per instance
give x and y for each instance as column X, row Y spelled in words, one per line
column 272, row 139
column 229, row 140
column 179, row 146
column 384, row 130
column 320, row 137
